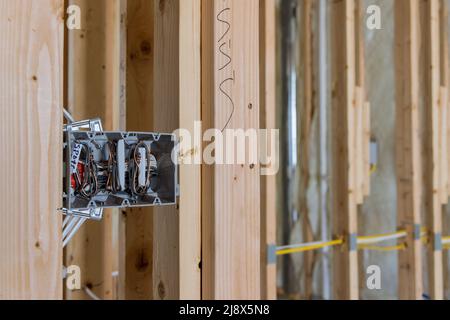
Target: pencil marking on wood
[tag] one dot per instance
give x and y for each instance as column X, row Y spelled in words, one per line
column 228, row 63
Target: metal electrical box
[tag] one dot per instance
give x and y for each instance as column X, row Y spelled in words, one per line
column 117, row 170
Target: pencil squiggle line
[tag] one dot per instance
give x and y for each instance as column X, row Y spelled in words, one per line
column 228, row 63
column 229, row 98
column 225, row 22
column 226, row 55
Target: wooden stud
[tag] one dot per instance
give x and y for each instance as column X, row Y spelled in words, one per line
column 268, row 121
column 409, row 186
column 136, row 225
column 343, row 178
column 231, row 218
column 444, row 102
column 208, row 88
column 431, row 147
column 443, row 153
column 359, row 145
column 367, row 167
column 166, row 100
column 31, row 86
column 363, row 130
column 164, row 86
column 95, row 89
column 190, row 174
column 362, row 126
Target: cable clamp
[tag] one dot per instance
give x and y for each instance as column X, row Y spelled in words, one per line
column 437, row 244
column 353, row 242
column 271, row 254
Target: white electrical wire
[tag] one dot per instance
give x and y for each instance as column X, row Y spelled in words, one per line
column 68, row 116
column 80, row 222
column 301, row 245
column 69, row 227
column 361, row 240
column 383, row 238
column 66, row 220
column 91, row 294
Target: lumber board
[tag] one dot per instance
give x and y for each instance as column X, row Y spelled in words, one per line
column 119, row 122
column 367, row 136
column 408, row 150
column 445, row 102
column 31, row 86
column 166, row 100
column 136, row 225
column 94, row 90
column 190, row 171
column 443, row 153
column 268, row 98
column 362, row 127
column 344, row 207
column 231, row 217
column 433, row 203
column 359, row 145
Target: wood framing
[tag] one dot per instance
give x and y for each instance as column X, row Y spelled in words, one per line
column 164, row 40
column 95, row 89
column 408, row 147
column 166, row 99
column 231, row 193
column 190, row 172
column 362, row 109
column 31, row 86
column 433, row 203
column 268, row 98
column 344, row 203
column 136, row 225
column 445, row 143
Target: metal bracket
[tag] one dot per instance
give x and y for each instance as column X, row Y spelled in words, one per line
column 75, row 219
column 437, row 243
column 417, row 232
column 353, row 242
column 271, row 254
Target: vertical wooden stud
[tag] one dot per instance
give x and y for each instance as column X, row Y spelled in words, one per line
column 343, row 178
column 231, row 224
column 409, row 186
column 190, row 172
column 268, row 121
column 136, row 225
column 31, row 86
column 433, row 204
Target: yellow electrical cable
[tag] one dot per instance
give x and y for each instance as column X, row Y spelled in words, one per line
column 381, row 248
column 382, row 235
column 361, row 246
column 310, row 248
